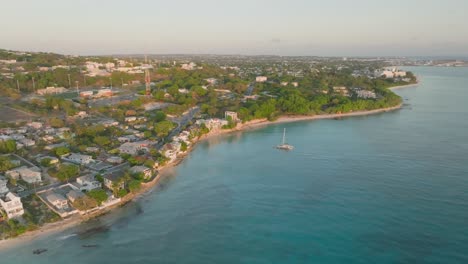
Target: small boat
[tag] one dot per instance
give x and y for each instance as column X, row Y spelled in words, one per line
column 284, row 145
column 39, row 251
column 89, row 246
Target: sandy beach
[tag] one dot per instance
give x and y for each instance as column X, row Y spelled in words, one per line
column 53, row 228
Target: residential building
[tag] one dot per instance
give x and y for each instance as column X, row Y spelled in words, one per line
column 12, row 205
column 73, row 195
column 114, row 160
column 88, row 183
column 147, row 172
column 232, row 115
column 341, row 90
column 114, row 179
column 51, row 90
column 79, row 158
column 132, row 148
column 29, row 175
column 365, row 94
column 261, row 79
column 57, row 200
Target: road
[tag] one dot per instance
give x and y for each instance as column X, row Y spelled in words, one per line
column 182, row 122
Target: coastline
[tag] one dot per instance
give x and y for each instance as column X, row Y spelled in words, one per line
column 64, row 224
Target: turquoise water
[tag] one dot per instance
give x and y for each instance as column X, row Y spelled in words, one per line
column 388, row 188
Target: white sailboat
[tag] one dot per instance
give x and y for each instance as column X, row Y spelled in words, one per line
column 284, row 145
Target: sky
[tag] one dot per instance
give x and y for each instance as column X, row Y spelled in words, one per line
column 250, row 27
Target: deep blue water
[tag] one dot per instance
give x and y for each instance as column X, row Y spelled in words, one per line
column 388, row 188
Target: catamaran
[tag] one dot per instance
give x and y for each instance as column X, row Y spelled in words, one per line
column 284, row 145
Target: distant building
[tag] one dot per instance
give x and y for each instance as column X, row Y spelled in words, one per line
column 114, row 160
column 79, row 158
column 12, row 205
column 51, row 90
column 132, row 148
column 341, row 90
column 86, row 93
column 188, row 66
column 212, row 81
column 232, row 115
column 213, row 123
column 261, row 79
column 365, row 94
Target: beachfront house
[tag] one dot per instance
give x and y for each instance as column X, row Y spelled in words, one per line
column 143, row 170
column 73, row 195
column 114, row 180
column 87, row 183
column 58, row 201
column 12, row 205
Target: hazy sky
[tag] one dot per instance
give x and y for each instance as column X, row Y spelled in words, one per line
column 283, row 27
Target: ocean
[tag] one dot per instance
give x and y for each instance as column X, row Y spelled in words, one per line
column 386, row 188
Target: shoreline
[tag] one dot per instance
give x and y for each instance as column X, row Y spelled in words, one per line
column 64, row 224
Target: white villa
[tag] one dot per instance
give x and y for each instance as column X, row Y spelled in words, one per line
column 58, row 201
column 87, row 183
column 12, row 205
column 29, row 175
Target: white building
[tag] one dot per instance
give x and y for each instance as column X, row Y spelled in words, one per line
column 366, row 94
column 28, row 142
column 232, row 115
column 12, row 205
column 213, row 123
column 87, row 183
column 52, row 90
column 132, row 148
column 79, row 158
column 188, row 66
column 261, row 79
column 29, row 175
column 57, row 200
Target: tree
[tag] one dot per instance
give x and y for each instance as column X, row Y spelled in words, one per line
column 60, row 151
column 8, row 146
column 183, row 146
column 56, row 122
column 45, row 162
column 67, row 171
column 99, row 195
column 159, row 116
column 5, row 164
column 134, row 185
column 163, row 128
column 102, row 141
column 121, row 193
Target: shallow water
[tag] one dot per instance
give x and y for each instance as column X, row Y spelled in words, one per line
column 387, row 188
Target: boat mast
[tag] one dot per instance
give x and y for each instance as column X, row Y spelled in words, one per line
column 284, row 135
